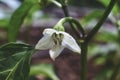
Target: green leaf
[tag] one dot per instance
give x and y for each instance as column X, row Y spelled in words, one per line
column 18, row 18
column 43, row 69
column 15, row 61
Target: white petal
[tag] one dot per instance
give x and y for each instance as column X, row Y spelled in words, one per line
column 70, row 43
column 49, row 31
column 55, row 51
column 45, row 43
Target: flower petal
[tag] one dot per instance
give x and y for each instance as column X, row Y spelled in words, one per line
column 49, row 31
column 70, row 43
column 55, row 51
column 45, row 43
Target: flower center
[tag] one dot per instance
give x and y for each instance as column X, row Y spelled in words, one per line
column 57, row 38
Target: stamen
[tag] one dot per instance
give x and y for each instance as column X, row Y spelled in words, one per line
column 60, row 38
column 54, row 35
column 57, row 38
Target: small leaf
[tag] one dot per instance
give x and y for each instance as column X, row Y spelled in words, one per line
column 15, row 61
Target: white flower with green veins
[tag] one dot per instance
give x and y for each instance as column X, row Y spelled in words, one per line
column 56, row 41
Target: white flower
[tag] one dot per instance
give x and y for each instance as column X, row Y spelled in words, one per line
column 56, row 41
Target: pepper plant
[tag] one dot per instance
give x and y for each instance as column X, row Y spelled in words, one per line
column 15, row 57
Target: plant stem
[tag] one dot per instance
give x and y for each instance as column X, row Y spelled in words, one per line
column 84, row 46
column 65, row 10
column 83, row 59
column 83, row 69
column 79, row 26
column 71, row 20
column 101, row 21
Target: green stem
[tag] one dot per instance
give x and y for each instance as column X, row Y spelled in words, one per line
column 102, row 20
column 83, row 70
column 65, row 10
column 79, row 26
column 83, row 66
column 84, row 46
column 71, row 20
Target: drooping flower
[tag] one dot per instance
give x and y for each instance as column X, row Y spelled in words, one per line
column 56, row 41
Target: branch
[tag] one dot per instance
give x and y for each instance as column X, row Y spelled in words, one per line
column 101, row 21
